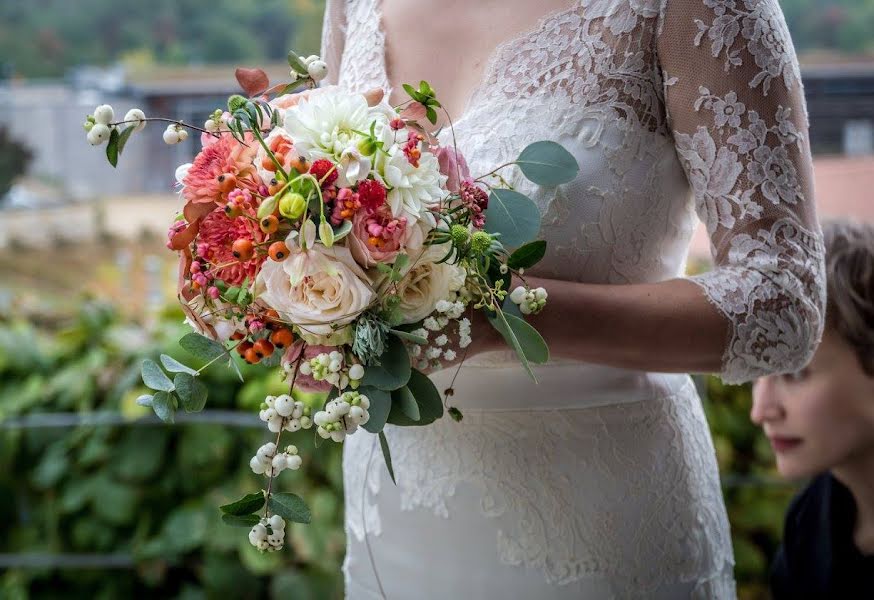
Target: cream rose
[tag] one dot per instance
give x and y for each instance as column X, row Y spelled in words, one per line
column 425, row 284
column 318, row 289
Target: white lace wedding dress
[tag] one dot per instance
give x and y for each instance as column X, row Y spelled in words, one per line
column 602, row 482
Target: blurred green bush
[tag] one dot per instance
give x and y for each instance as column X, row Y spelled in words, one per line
column 147, row 495
column 144, row 496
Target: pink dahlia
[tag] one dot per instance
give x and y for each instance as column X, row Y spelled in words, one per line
column 218, row 234
column 220, row 168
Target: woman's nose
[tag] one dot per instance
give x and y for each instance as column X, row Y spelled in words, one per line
column 766, row 401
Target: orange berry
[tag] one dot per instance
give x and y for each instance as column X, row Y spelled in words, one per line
column 243, row 347
column 263, row 348
column 268, row 164
column 274, row 187
column 243, row 249
column 271, row 313
column 238, row 335
column 282, row 338
column 269, row 224
column 278, row 251
column 227, row 182
column 233, row 210
column 280, row 158
column 299, row 164
column 251, row 356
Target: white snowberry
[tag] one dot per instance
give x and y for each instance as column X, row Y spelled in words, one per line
column 138, row 118
column 356, row 372
column 99, row 134
column 171, row 136
column 318, row 70
column 517, row 296
column 104, row 114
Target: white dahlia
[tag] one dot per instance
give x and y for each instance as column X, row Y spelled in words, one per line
column 411, row 190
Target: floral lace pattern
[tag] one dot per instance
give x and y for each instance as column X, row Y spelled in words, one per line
column 675, row 110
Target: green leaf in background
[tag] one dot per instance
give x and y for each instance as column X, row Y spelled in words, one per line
column 174, row 366
column 155, row 378
column 386, row 454
column 513, row 215
column 163, row 405
column 296, row 63
column 202, row 347
column 380, row 406
column 547, row 163
column 112, row 148
column 245, row 505
column 394, row 372
column 290, row 507
column 528, row 255
column 247, row 521
column 191, row 391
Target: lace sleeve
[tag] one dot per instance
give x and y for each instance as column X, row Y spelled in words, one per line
column 735, row 105
column 333, row 38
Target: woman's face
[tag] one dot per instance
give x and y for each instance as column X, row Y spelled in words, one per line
column 820, row 417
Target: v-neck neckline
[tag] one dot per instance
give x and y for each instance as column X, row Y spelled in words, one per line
column 491, row 60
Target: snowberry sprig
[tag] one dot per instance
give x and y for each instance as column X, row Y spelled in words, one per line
column 283, row 413
column 333, row 368
column 342, row 416
column 268, row 462
column 269, row 534
column 530, row 301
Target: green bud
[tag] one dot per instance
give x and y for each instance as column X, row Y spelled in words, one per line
column 326, row 233
column 292, row 206
column 480, row 242
column 88, row 125
column 455, row 414
column 236, row 101
column 367, row 146
column 459, row 235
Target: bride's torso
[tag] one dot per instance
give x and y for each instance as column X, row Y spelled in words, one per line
column 584, row 75
column 545, row 464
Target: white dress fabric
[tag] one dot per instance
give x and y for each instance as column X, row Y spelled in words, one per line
column 601, row 482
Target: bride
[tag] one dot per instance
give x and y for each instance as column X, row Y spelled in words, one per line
column 601, row 481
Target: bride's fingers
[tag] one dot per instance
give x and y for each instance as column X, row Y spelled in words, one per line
column 374, row 96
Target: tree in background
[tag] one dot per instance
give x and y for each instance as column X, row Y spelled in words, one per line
column 14, row 158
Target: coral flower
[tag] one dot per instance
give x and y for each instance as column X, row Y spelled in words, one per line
column 218, row 233
column 207, row 179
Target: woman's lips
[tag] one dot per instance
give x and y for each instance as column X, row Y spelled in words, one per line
column 784, row 444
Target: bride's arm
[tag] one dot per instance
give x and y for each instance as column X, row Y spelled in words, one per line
column 735, row 107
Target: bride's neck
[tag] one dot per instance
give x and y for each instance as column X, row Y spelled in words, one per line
column 858, row 476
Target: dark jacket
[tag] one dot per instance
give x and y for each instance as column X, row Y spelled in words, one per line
column 818, row 558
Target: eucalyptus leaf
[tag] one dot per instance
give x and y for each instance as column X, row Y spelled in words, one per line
column 164, row 407
column 393, row 370
column 290, row 507
column 174, row 366
column 523, row 338
column 547, row 163
column 145, row 400
column 155, row 378
column 528, row 255
column 380, row 406
column 427, row 399
column 245, row 505
column 191, row 391
column 513, row 215
column 405, row 400
column 342, row 230
column 406, row 335
column 247, row 521
column 386, row 454
column 202, row 347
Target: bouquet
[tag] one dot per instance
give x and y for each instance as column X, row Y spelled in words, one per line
column 326, row 234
